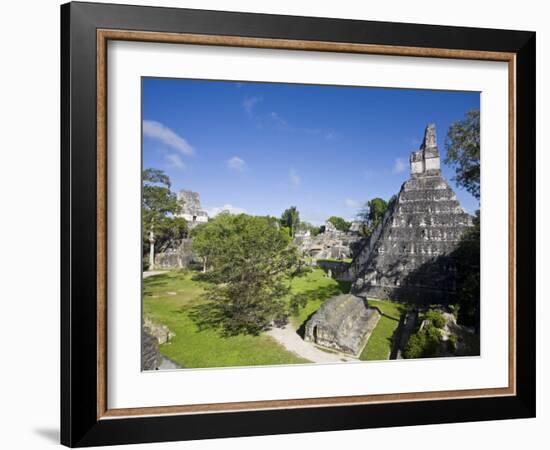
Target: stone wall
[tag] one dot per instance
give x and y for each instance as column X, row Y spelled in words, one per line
column 151, row 358
column 333, row 268
column 332, row 244
column 177, row 254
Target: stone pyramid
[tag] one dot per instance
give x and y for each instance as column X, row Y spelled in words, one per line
column 408, row 257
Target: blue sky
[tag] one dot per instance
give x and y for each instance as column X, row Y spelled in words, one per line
column 261, row 147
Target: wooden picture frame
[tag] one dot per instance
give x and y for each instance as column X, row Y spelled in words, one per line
column 85, row 417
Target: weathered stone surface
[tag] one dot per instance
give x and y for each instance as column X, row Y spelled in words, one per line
column 356, row 226
column 332, row 244
column 426, row 160
column 192, row 211
column 177, row 254
column 150, row 355
column 343, row 323
column 160, row 332
column 409, row 255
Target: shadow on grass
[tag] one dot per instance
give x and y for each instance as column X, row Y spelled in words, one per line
column 345, row 286
column 320, row 294
column 160, row 280
column 395, row 339
column 301, row 331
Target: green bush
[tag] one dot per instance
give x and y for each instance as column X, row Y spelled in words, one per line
column 340, row 223
column 455, row 309
column 415, row 346
column 436, row 318
column 424, row 343
column 453, row 340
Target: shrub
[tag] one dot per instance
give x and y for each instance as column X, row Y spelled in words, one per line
column 339, row 223
column 415, row 346
column 424, row 343
column 455, row 309
column 436, row 318
column 452, row 343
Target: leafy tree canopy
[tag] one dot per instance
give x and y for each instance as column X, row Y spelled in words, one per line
column 158, row 201
column 156, row 176
column 467, row 257
column 463, row 153
column 462, row 144
column 158, row 207
column 424, row 343
column 372, row 213
column 291, row 219
column 340, row 223
column 175, row 228
column 248, row 263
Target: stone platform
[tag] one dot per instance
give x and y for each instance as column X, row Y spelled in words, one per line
column 343, row 323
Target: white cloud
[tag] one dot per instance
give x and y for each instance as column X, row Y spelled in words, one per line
column 279, row 121
column 249, row 104
column 399, row 165
column 236, row 163
column 213, row 212
column 294, row 177
column 175, row 161
column 350, row 203
column 157, row 130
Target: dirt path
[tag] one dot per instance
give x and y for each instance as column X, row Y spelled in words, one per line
column 152, row 273
column 168, row 364
column 290, row 340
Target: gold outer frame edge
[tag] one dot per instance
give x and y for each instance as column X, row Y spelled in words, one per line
column 103, row 36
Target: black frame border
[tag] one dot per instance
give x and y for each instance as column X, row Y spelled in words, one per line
column 79, row 423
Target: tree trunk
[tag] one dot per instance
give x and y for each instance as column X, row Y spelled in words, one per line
column 204, row 265
column 151, row 250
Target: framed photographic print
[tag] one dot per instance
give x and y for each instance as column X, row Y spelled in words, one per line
column 277, row 224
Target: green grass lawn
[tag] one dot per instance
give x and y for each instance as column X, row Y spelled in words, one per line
column 343, row 260
column 168, row 299
column 379, row 344
column 317, row 288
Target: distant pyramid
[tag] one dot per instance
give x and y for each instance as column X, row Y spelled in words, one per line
column 408, row 255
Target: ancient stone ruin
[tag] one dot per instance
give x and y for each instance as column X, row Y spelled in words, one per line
column 331, row 244
column 343, row 323
column 192, row 211
column 178, row 253
column 151, row 359
column 409, row 255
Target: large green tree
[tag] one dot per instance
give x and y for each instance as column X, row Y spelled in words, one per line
column 462, row 144
column 340, row 223
column 159, row 204
column 291, row 219
column 467, row 257
column 249, row 263
column 463, row 154
column 372, row 213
